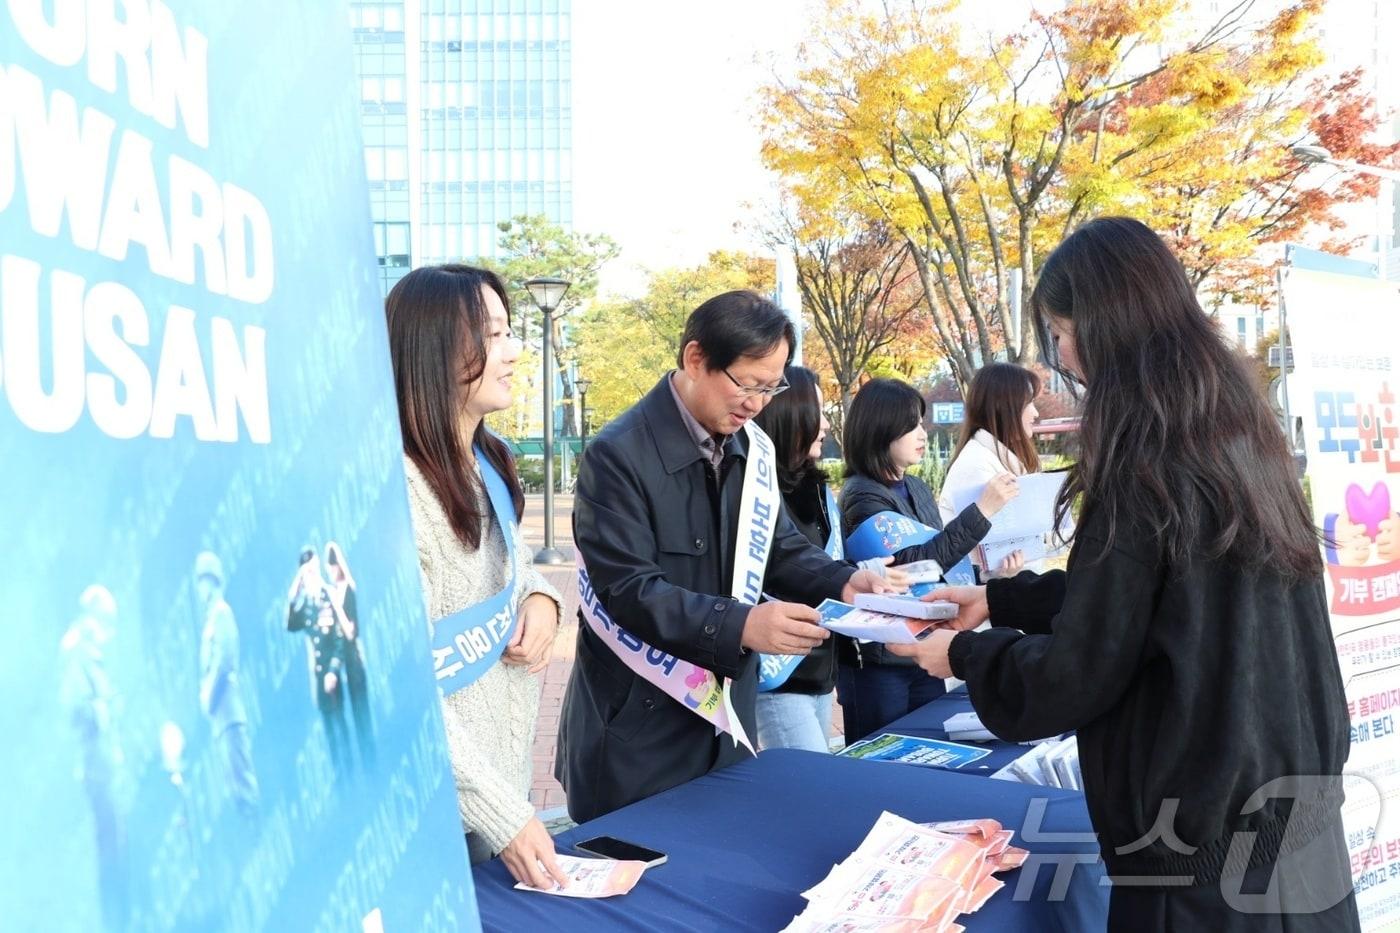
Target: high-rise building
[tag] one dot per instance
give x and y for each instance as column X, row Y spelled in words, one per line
column 467, row 122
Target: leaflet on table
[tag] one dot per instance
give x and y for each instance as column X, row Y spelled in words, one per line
column 904, row 873
column 904, row 844
column 988, row 835
column 813, row 920
column 865, row 625
column 593, row 877
column 1013, row 857
column 933, row 753
column 916, row 878
column 982, row 893
column 875, row 889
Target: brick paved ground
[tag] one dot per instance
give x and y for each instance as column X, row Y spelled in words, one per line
column 545, row 793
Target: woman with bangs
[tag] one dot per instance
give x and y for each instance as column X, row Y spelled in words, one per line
column 884, row 437
column 454, row 357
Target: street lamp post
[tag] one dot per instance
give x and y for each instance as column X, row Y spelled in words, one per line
column 547, row 292
column 582, row 386
column 587, row 420
column 1319, row 155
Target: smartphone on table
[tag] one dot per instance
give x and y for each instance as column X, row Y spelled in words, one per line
column 622, row 850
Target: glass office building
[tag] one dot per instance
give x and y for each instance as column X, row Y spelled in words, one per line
column 467, row 123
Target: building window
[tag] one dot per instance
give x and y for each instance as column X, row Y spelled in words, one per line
column 374, row 164
column 396, row 164
column 391, row 243
column 1241, row 331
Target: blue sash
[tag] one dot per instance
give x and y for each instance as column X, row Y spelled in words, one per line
column 835, row 545
column 695, row 688
column 467, row 642
column 775, row 669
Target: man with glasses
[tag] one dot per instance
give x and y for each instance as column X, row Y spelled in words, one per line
column 689, row 568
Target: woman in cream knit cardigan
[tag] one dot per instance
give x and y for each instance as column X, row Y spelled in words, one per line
column 453, row 357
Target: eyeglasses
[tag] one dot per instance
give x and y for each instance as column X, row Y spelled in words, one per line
column 752, row 391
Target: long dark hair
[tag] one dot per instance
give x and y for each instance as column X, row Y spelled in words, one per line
column 793, row 420
column 883, row 411
column 438, row 332
column 998, row 395
column 1176, row 435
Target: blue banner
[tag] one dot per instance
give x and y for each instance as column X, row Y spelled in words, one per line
column 216, row 693
column 884, row 534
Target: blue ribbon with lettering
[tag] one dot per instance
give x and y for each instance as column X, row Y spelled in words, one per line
column 775, row 669
column 835, row 546
column 468, row 642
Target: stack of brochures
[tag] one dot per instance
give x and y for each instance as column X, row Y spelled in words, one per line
column 967, row 727
column 869, row 625
column 909, row 877
column 1049, row 764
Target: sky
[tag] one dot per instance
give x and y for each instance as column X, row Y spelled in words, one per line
column 666, row 148
column 666, row 153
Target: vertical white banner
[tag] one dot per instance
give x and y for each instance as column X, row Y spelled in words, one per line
column 1345, row 332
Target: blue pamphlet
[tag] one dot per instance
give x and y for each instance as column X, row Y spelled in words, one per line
column 933, row 753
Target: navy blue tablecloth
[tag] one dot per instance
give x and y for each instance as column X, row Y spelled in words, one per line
column 927, row 722
column 745, row 841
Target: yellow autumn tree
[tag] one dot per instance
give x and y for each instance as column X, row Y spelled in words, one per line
column 981, row 152
column 625, row 345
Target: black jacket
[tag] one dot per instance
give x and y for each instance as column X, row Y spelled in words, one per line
column 657, row 533
column 862, row 497
column 806, row 505
column 1195, row 682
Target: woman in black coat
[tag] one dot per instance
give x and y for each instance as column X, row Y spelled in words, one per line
column 884, row 437
column 1188, row 642
column 796, row 713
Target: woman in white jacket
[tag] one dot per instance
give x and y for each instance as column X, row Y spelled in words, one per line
column 995, row 439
